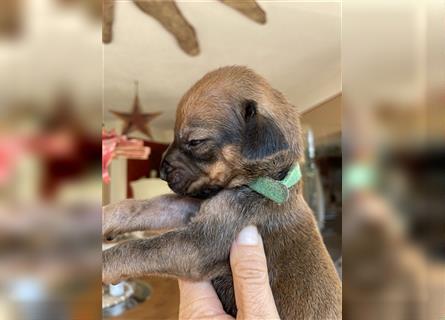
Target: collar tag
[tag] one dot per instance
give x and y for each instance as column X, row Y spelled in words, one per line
column 275, row 190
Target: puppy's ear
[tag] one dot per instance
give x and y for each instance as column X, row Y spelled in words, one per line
column 261, row 136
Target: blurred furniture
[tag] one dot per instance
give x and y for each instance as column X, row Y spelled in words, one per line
column 325, row 121
column 139, row 169
column 59, row 170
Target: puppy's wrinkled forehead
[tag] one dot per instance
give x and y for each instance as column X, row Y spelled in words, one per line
column 233, row 99
column 202, row 113
column 214, row 96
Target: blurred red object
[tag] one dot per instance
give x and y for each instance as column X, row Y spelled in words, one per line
column 114, row 145
column 11, row 149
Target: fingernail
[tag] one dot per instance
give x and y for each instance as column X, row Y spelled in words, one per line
column 248, row 236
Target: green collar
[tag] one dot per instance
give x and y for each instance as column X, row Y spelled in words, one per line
column 277, row 191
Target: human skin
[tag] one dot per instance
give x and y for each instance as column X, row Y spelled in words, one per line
column 254, row 299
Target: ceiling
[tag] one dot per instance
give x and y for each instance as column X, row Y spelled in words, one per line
column 297, row 50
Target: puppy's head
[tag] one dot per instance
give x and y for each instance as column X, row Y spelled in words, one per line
column 231, row 127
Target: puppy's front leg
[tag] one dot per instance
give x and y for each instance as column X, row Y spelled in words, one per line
column 186, row 253
column 160, row 213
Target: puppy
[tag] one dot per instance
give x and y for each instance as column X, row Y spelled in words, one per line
column 231, row 128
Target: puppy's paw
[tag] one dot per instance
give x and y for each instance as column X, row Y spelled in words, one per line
column 109, row 222
column 116, row 218
column 111, row 273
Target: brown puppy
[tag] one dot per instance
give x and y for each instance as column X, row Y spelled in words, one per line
column 231, row 127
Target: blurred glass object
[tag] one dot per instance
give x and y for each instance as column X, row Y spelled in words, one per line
column 31, row 301
column 312, row 186
column 116, row 299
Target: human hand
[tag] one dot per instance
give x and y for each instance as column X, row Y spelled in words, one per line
column 254, row 299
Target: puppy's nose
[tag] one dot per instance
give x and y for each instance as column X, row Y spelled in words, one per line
column 166, row 168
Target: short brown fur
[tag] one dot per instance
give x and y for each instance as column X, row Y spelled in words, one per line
column 302, row 276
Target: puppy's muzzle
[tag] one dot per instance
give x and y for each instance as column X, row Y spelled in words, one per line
column 180, row 174
column 166, row 169
column 174, row 177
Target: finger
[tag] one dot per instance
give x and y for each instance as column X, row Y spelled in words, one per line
column 198, row 300
column 253, row 294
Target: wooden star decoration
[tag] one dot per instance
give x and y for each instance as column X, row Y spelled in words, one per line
column 136, row 120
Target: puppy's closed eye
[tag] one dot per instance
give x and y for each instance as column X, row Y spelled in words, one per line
column 201, row 149
column 196, row 142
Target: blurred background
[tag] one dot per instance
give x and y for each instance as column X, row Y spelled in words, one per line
column 50, row 172
column 367, row 77
column 393, row 154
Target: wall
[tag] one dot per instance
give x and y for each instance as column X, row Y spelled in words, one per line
column 324, row 119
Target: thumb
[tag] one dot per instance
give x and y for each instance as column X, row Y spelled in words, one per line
column 253, row 294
